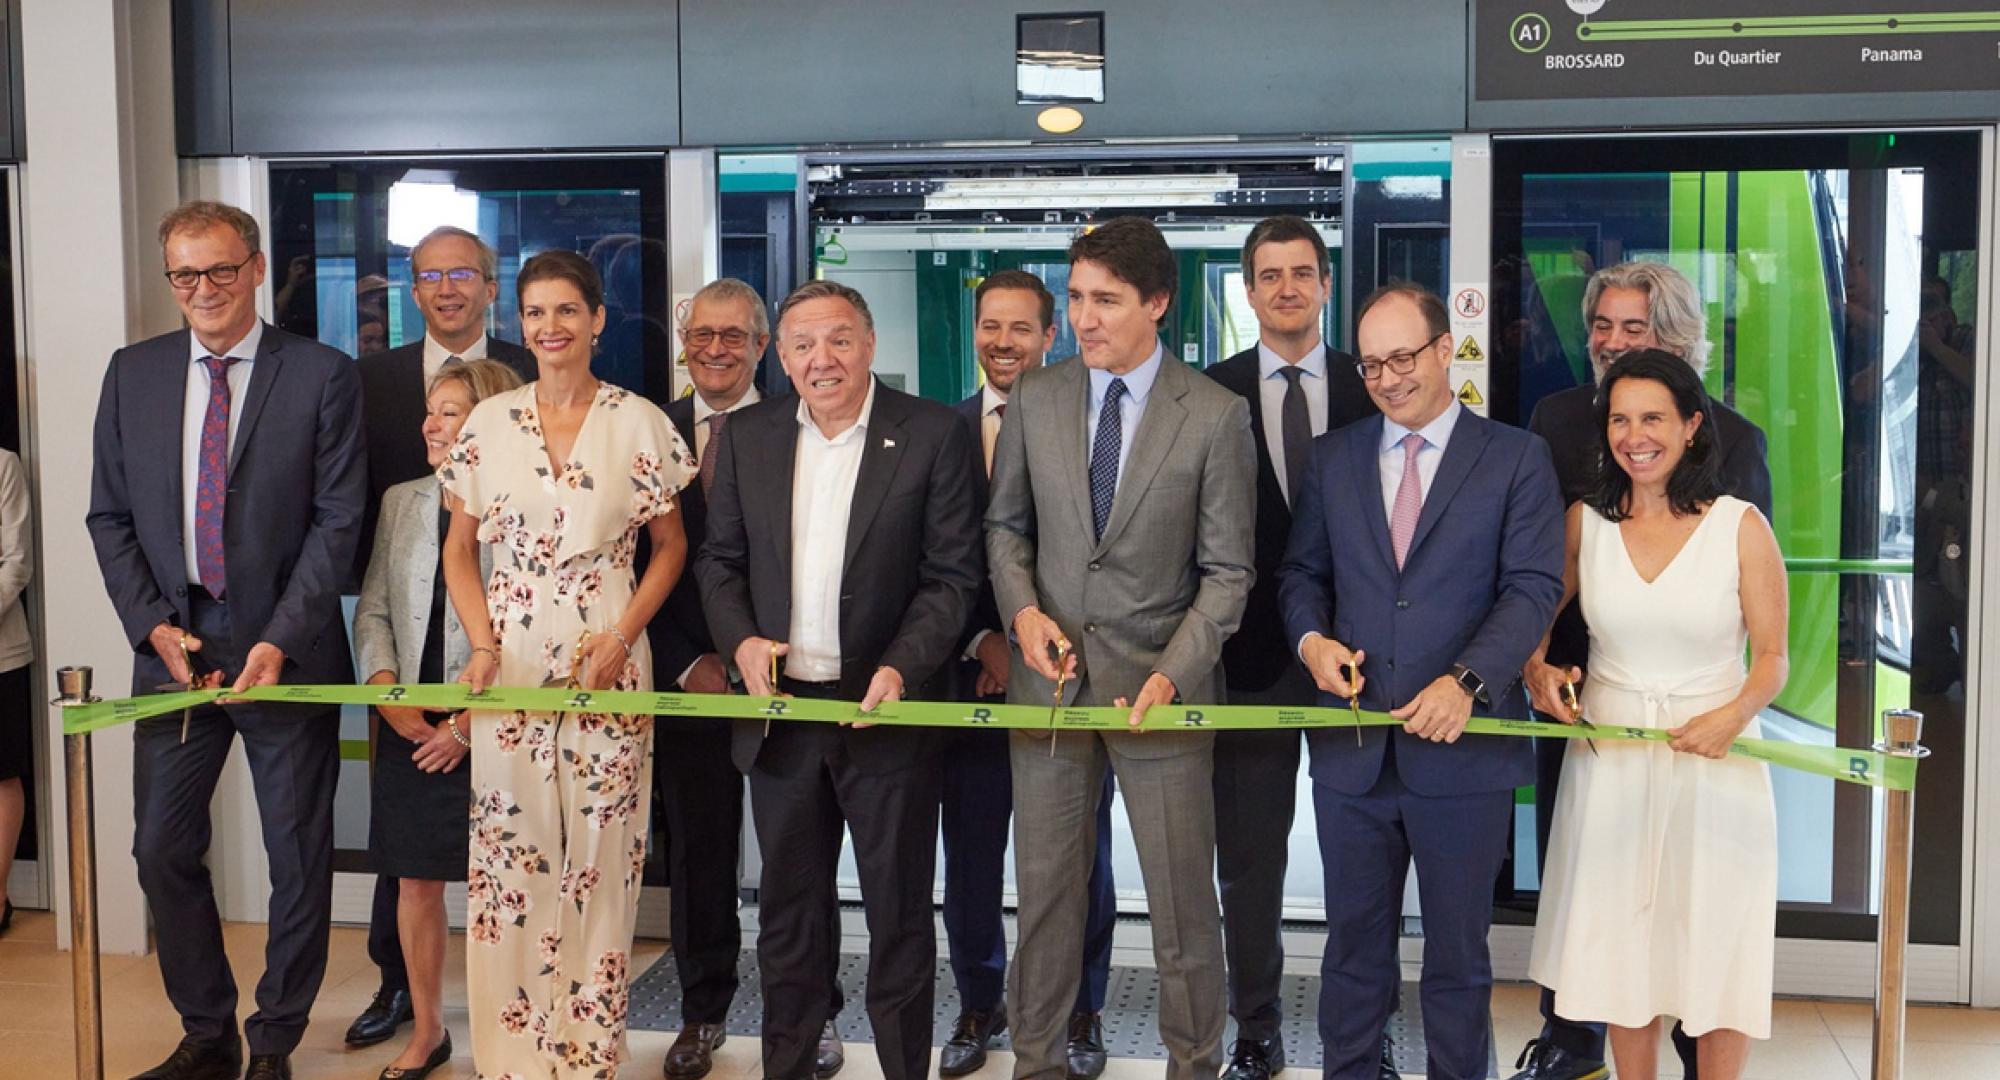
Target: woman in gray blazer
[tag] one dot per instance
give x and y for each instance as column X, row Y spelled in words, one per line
column 17, row 654
column 406, row 632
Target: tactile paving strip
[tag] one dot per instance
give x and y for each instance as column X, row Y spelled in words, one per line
column 1130, row 1004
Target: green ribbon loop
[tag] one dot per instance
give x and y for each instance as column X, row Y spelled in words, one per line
column 1865, row 767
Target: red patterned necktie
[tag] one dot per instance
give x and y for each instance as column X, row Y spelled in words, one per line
column 212, row 487
column 715, row 424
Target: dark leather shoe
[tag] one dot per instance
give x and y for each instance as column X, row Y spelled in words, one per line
column 195, row 1060
column 693, row 1052
column 832, row 1055
column 1086, row 1046
column 1541, row 1060
column 431, row 1064
column 965, row 1051
column 1387, row 1071
column 389, row 1011
column 1255, row 1059
column 269, row 1067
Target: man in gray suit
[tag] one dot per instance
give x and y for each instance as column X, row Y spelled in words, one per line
column 1119, row 533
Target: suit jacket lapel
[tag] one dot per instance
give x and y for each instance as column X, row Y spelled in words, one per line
column 1159, row 425
column 1365, row 448
column 1070, row 425
column 171, row 421
column 881, row 452
column 262, row 374
column 1468, row 437
column 777, row 479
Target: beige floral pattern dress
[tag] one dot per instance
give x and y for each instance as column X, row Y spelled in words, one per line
column 560, row 802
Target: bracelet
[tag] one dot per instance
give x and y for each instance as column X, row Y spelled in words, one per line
column 452, row 723
column 488, row 650
column 620, row 635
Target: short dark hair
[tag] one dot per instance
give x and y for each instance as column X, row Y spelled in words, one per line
column 1436, row 319
column 1283, row 229
column 562, row 265
column 1024, row 281
column 828, row 289
column 201, row 215
column 1696, row 478
column 1135, row 252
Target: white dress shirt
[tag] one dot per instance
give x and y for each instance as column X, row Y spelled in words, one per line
column 1271, row 386
column 1436, row 435
column 703, row 410
column 990, row 403
column 1138, row 386
column 823, row 479
column 435, row 355
column 194, row 408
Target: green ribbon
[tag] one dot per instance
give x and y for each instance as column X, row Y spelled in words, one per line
column 1865, row 767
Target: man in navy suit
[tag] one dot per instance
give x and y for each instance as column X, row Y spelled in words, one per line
column 1013, row 330
column 1441, row 534
column 454, row 286
column 224, row 527
column 1297, row 387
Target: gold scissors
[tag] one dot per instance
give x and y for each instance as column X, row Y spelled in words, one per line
column 774, row 687
column 1354, row 699
column 193, row 684
column 1576, row 711
column 1061, row 647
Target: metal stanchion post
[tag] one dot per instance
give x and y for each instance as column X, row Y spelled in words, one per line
column 1902, row 730
column 74, row 687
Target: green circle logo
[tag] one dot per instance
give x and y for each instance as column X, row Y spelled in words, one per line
column 1529, row 33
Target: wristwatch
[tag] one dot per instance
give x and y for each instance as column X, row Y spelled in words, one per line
column 1469, row 681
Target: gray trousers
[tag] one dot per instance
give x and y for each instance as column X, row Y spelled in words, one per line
column 1167, row 779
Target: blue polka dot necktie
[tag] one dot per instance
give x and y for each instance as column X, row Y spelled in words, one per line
column 1104, row 457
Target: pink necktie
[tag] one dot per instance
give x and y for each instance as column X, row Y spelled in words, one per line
column 1409, row 500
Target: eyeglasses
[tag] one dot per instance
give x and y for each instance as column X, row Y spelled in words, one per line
column 701, row 337
column 217, row 275
column 459, row 275
column 1402, row 363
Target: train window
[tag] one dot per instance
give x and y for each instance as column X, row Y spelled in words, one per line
column 341, row 234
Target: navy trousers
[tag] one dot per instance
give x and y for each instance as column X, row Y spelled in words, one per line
column 977, row 805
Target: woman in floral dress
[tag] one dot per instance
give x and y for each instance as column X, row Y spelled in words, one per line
column 558, row 477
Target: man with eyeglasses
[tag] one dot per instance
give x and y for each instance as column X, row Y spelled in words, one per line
column 1297, row 387
column 227, row 481
column 698, row 786
column 453, row 285
column 1630, row 306
column 1441, row 533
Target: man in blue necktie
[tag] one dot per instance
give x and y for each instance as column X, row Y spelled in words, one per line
column 1119, row 540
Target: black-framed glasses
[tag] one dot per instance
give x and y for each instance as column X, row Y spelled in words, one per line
column 1402, row 363
column 459, row 275
column 219, row 275
column 701, row 337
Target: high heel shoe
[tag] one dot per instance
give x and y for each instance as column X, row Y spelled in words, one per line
column 438, row 1057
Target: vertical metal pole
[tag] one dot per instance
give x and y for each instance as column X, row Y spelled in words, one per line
column 83, row 909
column 1902, row 730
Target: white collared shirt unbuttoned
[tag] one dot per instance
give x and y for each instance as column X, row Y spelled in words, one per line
column 823, row 479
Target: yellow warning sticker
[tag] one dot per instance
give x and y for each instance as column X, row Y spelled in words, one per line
column 1469, row 394
column 1469, row 350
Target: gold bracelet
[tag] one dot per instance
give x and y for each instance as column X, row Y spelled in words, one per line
column 452, row 723
column 488, row 650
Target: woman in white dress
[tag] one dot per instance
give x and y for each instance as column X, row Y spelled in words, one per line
column 558, row 478
column 1660, row 893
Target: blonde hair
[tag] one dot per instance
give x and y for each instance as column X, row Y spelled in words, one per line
column 483, row 378
column 202, row 215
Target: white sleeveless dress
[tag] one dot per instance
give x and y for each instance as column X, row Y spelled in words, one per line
column 1660, row 893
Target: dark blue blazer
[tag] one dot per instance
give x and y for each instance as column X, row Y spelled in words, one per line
column 1479, row 588
column 298, row 477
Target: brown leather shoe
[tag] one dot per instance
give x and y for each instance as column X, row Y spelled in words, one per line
column 832, row 1055
column 693, row 1053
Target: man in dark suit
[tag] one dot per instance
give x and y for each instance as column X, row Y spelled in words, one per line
column 1441, row 534
column 454, row 285
column 842, row 543
column 1634, row 305
column 226, row 490
column 698, row 788
column 1298, row 388
column 1013, row 329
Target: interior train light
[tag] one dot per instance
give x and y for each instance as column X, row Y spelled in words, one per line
column 1059, row 119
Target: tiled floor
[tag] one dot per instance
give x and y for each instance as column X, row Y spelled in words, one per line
column 1810, row 1040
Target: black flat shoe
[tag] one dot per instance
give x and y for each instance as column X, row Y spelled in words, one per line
column 439, row 1056
column 6, row 916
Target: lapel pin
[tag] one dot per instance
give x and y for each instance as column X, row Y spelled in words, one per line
column 888, row 444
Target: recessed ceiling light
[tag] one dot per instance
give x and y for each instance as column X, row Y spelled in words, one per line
column 1059, row 119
